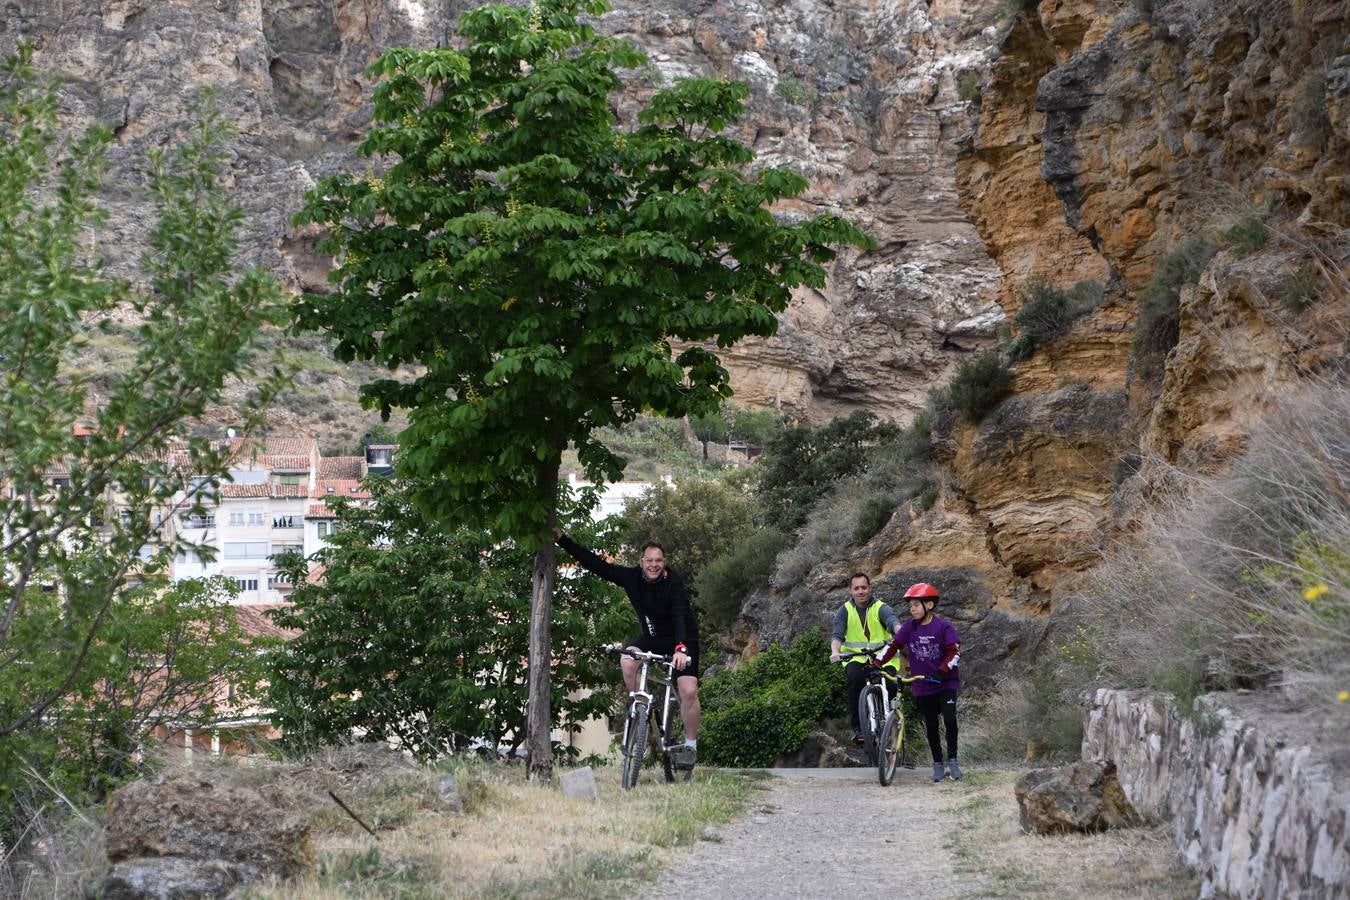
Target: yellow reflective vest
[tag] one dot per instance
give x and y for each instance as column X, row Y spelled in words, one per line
column 860, row 634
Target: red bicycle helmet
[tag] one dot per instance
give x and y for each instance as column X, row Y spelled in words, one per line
column 922, row 591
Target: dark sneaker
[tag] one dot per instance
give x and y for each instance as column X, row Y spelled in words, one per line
column 684, row 758
column 937, row 771
column 954, row 769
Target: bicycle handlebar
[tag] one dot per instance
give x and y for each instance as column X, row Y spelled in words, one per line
column 623, row 650
column 869, row 660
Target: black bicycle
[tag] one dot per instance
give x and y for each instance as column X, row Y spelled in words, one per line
column 881, row 714
column 646, row 724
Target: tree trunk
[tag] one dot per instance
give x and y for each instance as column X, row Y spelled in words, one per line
column 539, row 725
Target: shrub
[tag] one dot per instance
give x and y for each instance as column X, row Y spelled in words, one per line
column 1245, row 236
column 979, row 384
column 724, row 584
column 1298, row 290
column 968, row 87
column 1048, row 312
column 855, row 508
column 697, row 520
column 1158, row 326
column 794, row 90
column 765, row 708
column 801, row 463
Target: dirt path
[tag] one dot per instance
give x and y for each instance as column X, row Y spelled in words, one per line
column 827, row 832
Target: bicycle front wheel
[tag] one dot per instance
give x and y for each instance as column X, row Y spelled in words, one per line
column 635, row 743
column 892, row 743
column 870, row 716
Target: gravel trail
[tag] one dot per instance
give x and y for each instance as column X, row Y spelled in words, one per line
column 833, row 832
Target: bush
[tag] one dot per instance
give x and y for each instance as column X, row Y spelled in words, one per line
column 697, row 520
column 1245, row 581
column 1247, row 235
column 754, row 714
column 979, row 384
column 1158, row 326
column 968, row 87
column 1048, row 312
column 1298, row 290
column 857, row 507
column 723, row 585
column 800, row 464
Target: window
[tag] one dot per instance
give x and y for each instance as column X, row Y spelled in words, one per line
column 276, row 581
column 124, row 516
column 247, row 584
column 237, row 518
column 279, row 548
column 202, row 521
column 60, row 483
column 327, row 528
column 245, row 549
column 256, row 518
column 288, row 479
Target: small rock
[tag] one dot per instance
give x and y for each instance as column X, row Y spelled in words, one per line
column 711, row 834
column 579, row 783
column 760, row 820
column 447, row 788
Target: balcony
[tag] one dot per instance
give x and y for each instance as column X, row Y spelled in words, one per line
column 197, row 521
column 288, row 522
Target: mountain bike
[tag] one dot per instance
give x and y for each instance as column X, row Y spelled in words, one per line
column 880, row 714
column 645, row 723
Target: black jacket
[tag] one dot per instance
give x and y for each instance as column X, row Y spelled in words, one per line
column 663, row 607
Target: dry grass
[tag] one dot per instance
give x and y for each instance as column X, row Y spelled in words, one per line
column 1125, row 863
column 515, row 839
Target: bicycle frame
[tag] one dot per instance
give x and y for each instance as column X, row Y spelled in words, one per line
column 641, row 698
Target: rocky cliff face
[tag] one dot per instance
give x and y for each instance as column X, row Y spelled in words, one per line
column 1107, row 135
column 858, row 96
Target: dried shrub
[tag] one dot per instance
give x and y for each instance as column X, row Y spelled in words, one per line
column 1158, row 326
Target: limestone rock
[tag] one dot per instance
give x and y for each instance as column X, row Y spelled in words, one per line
column 168, row 878
column 200, row 825
column 1084, row 796
column 579, row 784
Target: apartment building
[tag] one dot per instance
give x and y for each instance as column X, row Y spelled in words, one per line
column 276, row 501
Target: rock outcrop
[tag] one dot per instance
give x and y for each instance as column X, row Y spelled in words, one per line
column 859, row 97
column 1257, row 810
column 191, row 834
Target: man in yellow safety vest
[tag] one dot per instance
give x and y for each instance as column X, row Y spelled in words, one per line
column 861, row 623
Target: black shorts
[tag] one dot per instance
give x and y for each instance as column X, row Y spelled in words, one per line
column 666, row 645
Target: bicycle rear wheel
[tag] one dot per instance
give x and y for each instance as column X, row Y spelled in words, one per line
column 870, row 716
column 635, row 743
column 892, row 745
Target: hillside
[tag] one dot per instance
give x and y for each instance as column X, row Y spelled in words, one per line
column 1186, row 160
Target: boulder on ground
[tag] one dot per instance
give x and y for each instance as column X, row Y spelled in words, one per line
column 203, row 829
column 1084, row 796
column 579, row 784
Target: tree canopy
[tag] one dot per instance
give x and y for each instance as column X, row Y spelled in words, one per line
column 541, row 262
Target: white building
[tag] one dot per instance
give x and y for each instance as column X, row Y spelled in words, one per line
column 274, row 503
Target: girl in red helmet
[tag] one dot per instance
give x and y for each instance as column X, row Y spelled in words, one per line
column 933, row 649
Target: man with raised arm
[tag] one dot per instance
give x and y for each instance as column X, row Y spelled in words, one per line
column 668, row 624
column 859, row 625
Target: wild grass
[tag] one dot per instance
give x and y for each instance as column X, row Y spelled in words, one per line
column 1242, row 579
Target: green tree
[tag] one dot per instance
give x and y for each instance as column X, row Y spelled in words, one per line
column 696, row 520
column 800, row 463
column 85, row 488
column 418, row 632
column 538, row 263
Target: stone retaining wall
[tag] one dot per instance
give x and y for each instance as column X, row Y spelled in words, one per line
column 1255, row 814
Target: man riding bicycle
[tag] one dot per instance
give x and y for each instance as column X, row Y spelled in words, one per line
column 859, row 625
column 669, row 625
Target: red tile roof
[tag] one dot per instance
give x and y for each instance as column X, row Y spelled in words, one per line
column 341, row 487
column 351, row 467
column 255, row 624
column 319, row 511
